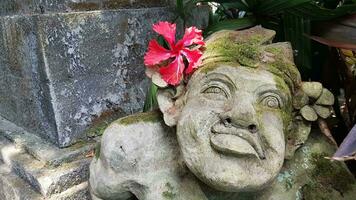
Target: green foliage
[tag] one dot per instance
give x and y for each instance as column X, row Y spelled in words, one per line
column 151, row 99
column 231, row 24
column 292, row 19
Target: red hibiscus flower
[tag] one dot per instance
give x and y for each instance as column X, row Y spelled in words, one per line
column 172, row 71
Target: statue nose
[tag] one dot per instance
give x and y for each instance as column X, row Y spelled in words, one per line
column 241, row 117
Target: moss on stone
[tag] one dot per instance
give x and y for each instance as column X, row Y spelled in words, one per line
column 169, row 194
column 330, row 175
column 100, row 123
column 274, row 50
column 315, row 192
column 97, row 130
column 229, row 51
column 97, row 150
column 256, row 39
column 212, row 66
column 223, row 49
column 153, row 116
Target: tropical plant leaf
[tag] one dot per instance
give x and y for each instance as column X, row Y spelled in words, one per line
column 339, row 33
column 315, row 12
column 295, row 29
column 271, row 7
column 232, row 24
column 251, row 3
column 347, row 147
column 180, row 9
column 236, row 5
column 151, row 98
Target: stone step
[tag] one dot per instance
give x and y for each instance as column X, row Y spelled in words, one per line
column 78, row 192
column 5, row 144
column 47, row 180
column 14, row 188
column 40, row 148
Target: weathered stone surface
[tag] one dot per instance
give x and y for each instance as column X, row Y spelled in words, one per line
column 14, row 188
column 322, row 111
column 137, row 138
column 61, row 71
column 312, row 89
column 41, row 149
column 326, row 98
column 10, row 7
column 38, row 178
column 300, row 100
column 78, row 192
column 225, row 136
column 308, row 113
column 45, row 179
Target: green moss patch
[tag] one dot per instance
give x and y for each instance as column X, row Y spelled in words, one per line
column 330, row 178
column 153, row 116
column 100, row 123
column 229, row 51
column 169, row 194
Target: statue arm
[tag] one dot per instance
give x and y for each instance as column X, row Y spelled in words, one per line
column 103, row 181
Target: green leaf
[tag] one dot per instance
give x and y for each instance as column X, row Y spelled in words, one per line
column 180, row 8
column 315, row 12
column 271, row 7
column 232, row 24
column 339, row 33
column 295, row 29
column 151, row 98
column 252, row 3
column 236, row 5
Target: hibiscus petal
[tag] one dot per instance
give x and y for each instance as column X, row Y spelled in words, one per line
column 156, row 54
column 173, row 73
column 167, row 30
column 191, row 36
column 194, row 58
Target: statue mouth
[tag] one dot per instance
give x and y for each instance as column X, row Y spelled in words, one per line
column 236, row 141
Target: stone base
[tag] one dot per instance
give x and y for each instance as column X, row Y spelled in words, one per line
column 31, row 168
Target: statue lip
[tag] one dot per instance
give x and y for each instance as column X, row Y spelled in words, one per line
column 236, row 141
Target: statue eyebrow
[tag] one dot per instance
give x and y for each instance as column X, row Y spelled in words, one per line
column 271, row 88
column 221, row 78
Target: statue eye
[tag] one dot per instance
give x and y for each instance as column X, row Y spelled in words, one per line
column 215, row 90
column 271, row 101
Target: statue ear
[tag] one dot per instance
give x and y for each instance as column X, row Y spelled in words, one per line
column 170, row 102
column 298, row 133
column 311, row 102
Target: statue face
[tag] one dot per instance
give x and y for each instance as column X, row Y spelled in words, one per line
column 231, row 128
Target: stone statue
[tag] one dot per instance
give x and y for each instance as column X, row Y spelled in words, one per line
column 239, row 129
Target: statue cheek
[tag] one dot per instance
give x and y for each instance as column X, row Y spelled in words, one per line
column 273, row 130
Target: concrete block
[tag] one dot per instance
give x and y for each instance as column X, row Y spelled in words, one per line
column 62, row 71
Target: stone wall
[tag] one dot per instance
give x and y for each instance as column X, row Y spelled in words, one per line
column 65, row 63
column 10, row 7
column 60, row 71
